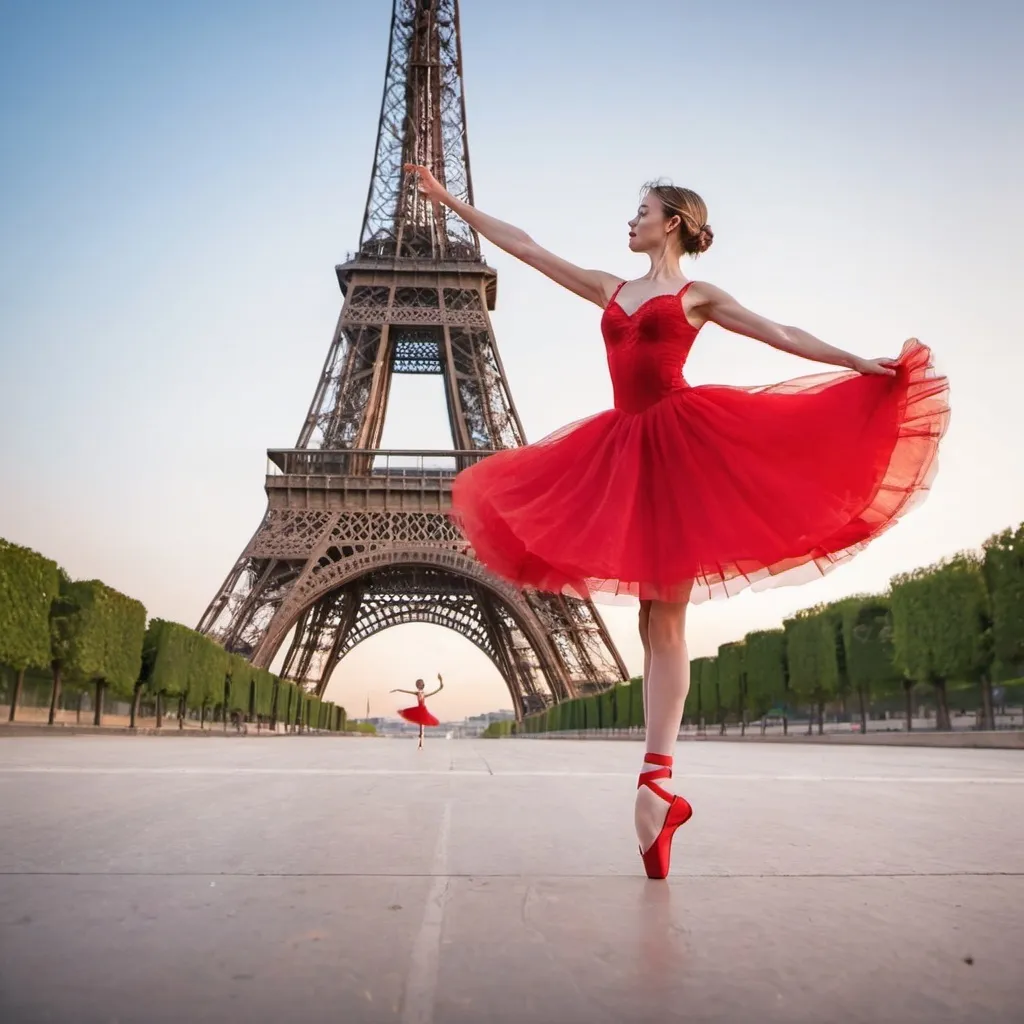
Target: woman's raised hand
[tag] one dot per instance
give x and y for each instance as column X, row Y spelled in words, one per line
column 883, row 367
column 430, row 187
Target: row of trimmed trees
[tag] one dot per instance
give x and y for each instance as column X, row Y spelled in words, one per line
column 956, row 624
column 89, row 635
column 621, row 707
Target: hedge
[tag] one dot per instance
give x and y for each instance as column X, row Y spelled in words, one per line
column 265, row 682
column 29, row 583
column 942, row 627
column 1003, row 569
column 955, row 625
column 731, row 681
column 766, row 669
column 811, row 657
column 240, row 673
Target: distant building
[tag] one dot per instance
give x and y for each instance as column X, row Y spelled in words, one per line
column 476, row 724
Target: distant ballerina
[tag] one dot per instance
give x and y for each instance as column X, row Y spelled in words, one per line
column 418, row 713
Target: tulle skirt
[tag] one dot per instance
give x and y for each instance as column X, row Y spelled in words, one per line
column 713, row 488
column 419, row 715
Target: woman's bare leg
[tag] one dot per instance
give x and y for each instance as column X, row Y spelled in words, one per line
column 667, row 683
column 421, row 737
column 645, row 619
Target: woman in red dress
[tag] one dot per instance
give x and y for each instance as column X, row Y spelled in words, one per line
column 418, row 713
column 683, row 493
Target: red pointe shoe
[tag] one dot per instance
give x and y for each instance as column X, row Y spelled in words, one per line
column 656, row 859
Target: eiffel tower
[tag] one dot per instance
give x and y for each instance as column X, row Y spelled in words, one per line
column 356, row 538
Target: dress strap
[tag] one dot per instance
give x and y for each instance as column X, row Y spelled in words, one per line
column 616, row 292
column 679, row 294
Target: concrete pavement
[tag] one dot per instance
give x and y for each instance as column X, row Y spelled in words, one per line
column 343, row 880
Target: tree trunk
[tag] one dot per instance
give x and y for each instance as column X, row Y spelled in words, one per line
column 136, row 699
column 907, row 687
column 202, row 716
column 78, row 709
column 181, row 712
column 943, row 722
column 785, row 725
column 988, row 720
column 743, row 722
column 16, row 696
column 54, row 694
column 159, row 710
column 97, row 717
column 821, row 717
column 863, row 712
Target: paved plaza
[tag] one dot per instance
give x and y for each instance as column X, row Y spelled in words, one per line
column 358, row 880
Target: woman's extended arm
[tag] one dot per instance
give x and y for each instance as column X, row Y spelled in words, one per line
column 593, row 285
column 439, row 689
column 711, row 303
column 411, row 692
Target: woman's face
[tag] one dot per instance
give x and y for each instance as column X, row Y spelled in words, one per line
column 650, row 227
column 419, row 684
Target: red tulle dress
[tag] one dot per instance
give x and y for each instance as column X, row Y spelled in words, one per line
column 418, row 714
column 723, row 486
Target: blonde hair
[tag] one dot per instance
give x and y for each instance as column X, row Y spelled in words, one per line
column 695, row 234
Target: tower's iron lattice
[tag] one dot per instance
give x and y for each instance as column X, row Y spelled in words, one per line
column 356, row 539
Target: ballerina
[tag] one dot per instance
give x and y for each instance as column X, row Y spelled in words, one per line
column 418, row 713
column 683, row 493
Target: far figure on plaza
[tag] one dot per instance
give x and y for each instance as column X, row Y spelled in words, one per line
column 684, row 493
column 418, row 713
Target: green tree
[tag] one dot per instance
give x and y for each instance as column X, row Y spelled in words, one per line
column 693, row 709
column 942, row 626
column 576, row 714
column 207, row 683
column 636, row 703
column 832, row 624
column 623, row 705
column 29, row 584
column 284, row 698
column 812, row 660
column 239, row 690
column 710, row 698
column 767, row 674
column 96, row 638
column 868, row 650
column 167, row 657
column 1004, row 578
column 558, row 717
column 732, row 682
column 264, row 683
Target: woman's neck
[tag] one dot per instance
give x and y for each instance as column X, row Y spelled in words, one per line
column 664, row 266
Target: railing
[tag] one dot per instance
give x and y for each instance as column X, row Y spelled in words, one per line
column 371, row 462
column 456, row 253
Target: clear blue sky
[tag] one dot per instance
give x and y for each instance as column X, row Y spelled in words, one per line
column 178, row 180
